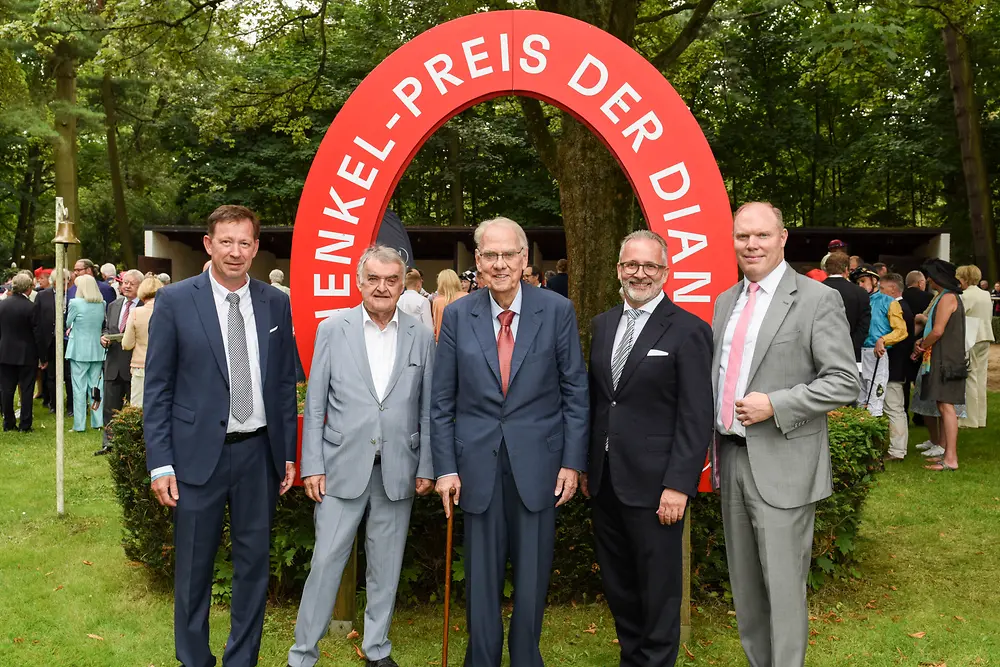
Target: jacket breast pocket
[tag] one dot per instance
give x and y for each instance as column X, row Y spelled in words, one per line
column 812, row 427
column 332, row 435
column 182, row 413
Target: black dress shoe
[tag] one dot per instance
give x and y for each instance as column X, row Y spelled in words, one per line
column 102, row 451
column 387, row 661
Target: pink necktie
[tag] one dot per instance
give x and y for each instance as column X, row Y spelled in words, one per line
column 736, row 358
column 128, row 307
column 505, row 347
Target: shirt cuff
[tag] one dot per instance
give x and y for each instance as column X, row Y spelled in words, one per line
column 449, row 474
column 162, row 471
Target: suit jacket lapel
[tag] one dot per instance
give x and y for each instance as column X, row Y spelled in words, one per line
column 354, row 332
column 659, row 322
column 204, row 302
column 262, row 316
column 527, row 327
column 606, row 351
column 482, row 325
column 781, row 302
column 115, row 312
column 404, row 341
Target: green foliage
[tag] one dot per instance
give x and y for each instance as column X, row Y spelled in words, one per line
column 857, row 443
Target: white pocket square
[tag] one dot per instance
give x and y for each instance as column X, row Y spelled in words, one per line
column 657, row 353
column 273, row 330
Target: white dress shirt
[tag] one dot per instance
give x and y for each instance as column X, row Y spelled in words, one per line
column 413, row 304
column 381, row 347
column 515, row 306
column 767, row 288
column 257, row 418
column 644, row 311
column 122, row 316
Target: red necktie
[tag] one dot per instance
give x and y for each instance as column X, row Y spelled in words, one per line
column 505, row 347
column 128, row 307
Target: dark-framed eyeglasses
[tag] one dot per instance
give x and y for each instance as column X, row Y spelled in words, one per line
column 649, row 268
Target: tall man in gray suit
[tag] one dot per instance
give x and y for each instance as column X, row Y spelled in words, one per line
column 365, row 450
column 783, row 359
column 509, row 428
column 118, row 362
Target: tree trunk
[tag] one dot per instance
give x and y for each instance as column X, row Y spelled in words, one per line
column 455, row 173
column 117, row 189
column 25, row 211
column 64, row 148
column 970, row 140
column 594, row 196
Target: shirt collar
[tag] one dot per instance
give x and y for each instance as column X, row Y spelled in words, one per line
column 647, row 307
column 366, row 319
column 770, row 282
column 515, row 306
column 221, row 292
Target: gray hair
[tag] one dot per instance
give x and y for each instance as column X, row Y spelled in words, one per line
column 913, row 278
column 163, row 278
column 384, row 254
column 135, row 274
column 647, row 235
column 276, row 276
column 108, row 270
column 21, row 283
column 522, row 238
column 774, row 211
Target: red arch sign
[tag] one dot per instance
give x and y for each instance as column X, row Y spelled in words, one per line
column 585, row 71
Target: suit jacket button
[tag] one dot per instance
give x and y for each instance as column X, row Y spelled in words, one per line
column 613, row 403
column 222, row 423
column 381, row 408
column 494, row 452
column 373, row 441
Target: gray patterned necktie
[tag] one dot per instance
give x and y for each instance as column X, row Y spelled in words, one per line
column 240, row 381
column 624, row 347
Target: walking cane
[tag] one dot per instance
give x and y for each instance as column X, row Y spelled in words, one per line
column 447, row 578
column 872, row 385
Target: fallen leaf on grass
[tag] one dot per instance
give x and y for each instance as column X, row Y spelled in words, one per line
column 326, row 655
column 688, row 651
column 57, row 588
column 918, row 635
column 87, row 562
column 615, row 640
column 812, row 642
column 592, row 629
column 95, row 637
column 358, row 651
column 934, row 664
column 959, row 618
column 353, row 634
column 18, row 640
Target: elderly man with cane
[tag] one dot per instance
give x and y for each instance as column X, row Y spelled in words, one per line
column 365, row 451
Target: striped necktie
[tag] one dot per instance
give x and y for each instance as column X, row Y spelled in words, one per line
column 624, row 347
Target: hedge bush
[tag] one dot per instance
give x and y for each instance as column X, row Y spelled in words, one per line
column 857, row 445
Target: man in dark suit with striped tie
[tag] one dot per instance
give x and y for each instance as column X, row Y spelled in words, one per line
column 651, row 424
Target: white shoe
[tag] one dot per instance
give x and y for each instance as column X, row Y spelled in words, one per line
column 934, row 451
column 925, row 445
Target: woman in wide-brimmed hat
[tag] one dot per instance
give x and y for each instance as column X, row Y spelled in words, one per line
column 940, row 388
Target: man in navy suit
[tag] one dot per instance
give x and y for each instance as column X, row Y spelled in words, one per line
column 220, row 428
column 509, row 429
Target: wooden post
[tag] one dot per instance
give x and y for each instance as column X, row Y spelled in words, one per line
column 686, row 565
column 346, row 607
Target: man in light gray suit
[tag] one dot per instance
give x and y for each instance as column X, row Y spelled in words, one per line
column 783, row 359
column 365, row 450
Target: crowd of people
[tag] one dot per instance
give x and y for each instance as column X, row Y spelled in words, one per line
column 921, row 344
column 106, row 332
column 480, row 392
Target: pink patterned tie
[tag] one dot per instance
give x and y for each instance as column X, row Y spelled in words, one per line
column 736, row 358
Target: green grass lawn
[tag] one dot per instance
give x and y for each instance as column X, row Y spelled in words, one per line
column 930, row 548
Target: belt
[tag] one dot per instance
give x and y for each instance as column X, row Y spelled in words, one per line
column 737, row 440
column 240, row 436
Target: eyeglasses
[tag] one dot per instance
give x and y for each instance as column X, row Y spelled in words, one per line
column 491, row 257
column 649, row 268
